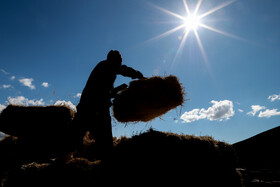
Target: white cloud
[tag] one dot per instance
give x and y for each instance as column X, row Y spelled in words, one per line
column 240, row 110
column 21, row 100
column 191, row 116
column 27, row 82
column 220, row 110
column 2, row 107
column 66, row 103
column 7, row 86
column 268, row 113
column 45, row 84
column 274, row 97
column 78, row 95
column 255, row 109
column 13, row 77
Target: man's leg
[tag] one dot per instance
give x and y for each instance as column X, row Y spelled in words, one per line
column 101, row 131
column 73, row 138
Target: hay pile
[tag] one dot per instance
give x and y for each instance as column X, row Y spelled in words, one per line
column 152, row 158
column 41, row 132
column 147, row 99
column 155, row 158
column 25, row 121
column 77, row 172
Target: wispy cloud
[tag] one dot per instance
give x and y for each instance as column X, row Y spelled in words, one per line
column 220, row 110
column 13, row 77
column 6, row 86
column 27, row 82
column 45, row 84
column 4, row 72
column 268, row 113
column 78, row 95
column 240, row 110
column 274, row 97
column 255, row 109
column 262, row 112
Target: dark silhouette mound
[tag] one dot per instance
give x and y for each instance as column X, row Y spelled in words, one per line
column 31, row 121
column 151, row 158
column 258, row 157
column 260, row 151
column 159, row 158
column 146, row 99
column 40, row 132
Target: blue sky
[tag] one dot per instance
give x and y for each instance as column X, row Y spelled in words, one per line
column 48, row 49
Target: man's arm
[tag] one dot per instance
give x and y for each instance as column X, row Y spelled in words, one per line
column 130, row 72
column 115, row 91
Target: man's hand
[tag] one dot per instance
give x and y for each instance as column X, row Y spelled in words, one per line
column 115, row 91
column 121, row 87
column 138, row 75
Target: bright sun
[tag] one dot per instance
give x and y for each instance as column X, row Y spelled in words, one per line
column 191, row 22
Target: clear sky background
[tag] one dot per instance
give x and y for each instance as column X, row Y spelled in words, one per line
column 49, row 48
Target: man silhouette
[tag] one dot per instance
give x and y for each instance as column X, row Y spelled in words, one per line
column 93, row 111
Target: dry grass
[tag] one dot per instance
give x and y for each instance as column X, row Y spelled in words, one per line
column 147, row 99
column 77, row 172
column 8, row 155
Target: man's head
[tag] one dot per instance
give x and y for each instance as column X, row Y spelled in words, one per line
column 115, row 57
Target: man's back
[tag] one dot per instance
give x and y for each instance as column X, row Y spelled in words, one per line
column 99, row 85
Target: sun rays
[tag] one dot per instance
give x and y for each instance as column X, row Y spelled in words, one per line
column 191, row 23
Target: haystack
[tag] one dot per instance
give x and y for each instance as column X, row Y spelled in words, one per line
column 42, row 131
column 25, row 121
column 147, row 99
column 152, row 158
column 155, row 158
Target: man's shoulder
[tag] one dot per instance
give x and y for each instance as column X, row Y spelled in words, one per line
column 100, row 65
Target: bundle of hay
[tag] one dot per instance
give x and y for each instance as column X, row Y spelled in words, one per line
column 25, row 121
column 42, row 131
column 147, row 99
